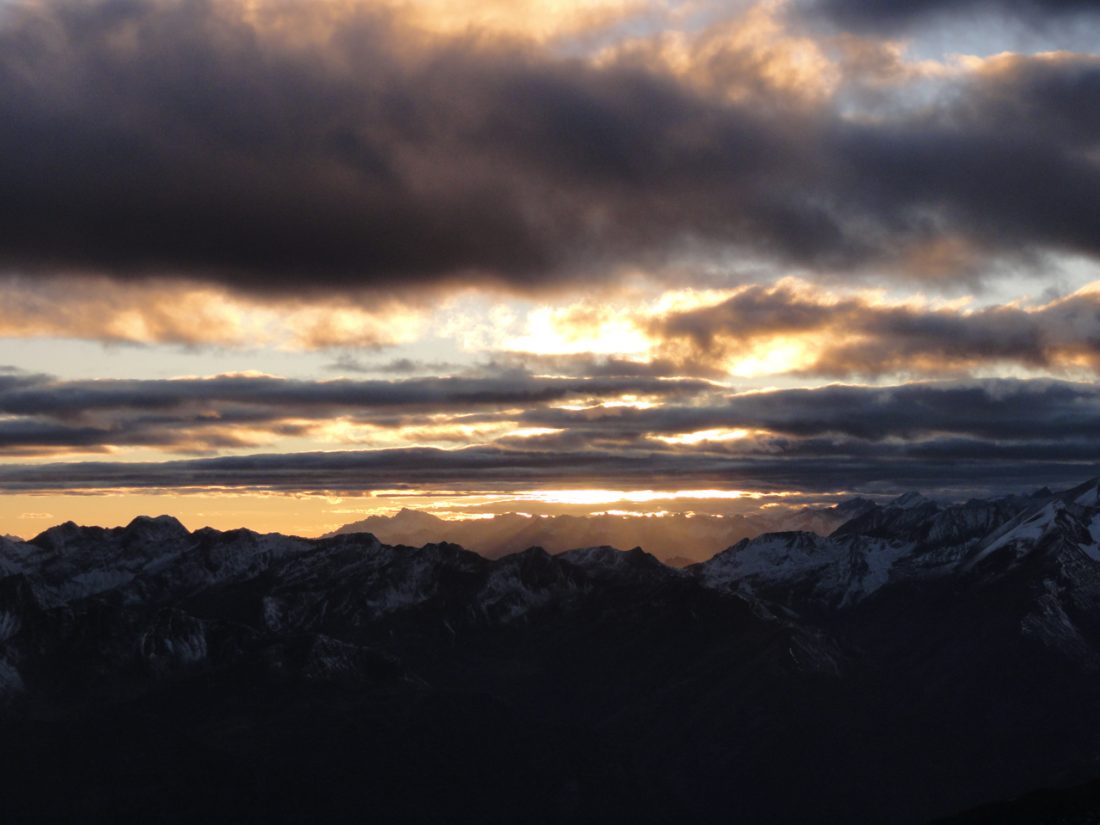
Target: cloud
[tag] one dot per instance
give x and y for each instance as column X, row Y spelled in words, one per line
column 989, row 410
column 42, row 415
column 162, row 311
column 536, row 19
column 23, row 394
column 839, row 335
column 395, row 366
column 282, row 151
column 491, row 469
column 900, row 13
column 992, row 434
column 775, row 421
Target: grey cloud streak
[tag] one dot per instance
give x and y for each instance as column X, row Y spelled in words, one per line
column 207, row 414
column 170, row 138
column 989, row 434
column 992, row 410
column 491, row 469
column 38, row 394
column 896, row 14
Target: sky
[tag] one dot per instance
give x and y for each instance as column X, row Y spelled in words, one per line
column 284, row 264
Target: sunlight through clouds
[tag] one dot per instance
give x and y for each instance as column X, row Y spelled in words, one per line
column 503, row 247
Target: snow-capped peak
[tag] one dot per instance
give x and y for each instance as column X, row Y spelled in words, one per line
column 909, row 501
column 1090, row 495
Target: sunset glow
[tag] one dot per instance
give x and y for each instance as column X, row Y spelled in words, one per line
column 643, row 412
column 569, row 254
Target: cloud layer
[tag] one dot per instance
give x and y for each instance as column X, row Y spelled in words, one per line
column 979, row 434
column 41, row 415
column 339, row 147
column 836, row 335
column 603, row 243
column 899, row 13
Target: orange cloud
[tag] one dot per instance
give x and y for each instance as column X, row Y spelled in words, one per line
column 192, row 315
column 796, row 328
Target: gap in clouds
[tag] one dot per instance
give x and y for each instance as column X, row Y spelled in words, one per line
column 260, row 250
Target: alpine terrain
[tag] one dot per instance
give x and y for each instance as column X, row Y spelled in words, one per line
column 923, row 660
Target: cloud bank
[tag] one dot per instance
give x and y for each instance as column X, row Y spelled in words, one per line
column 977, row 433
column 288, row 150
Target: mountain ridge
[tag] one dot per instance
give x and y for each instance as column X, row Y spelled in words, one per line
column 922, row 659
column 665, row 535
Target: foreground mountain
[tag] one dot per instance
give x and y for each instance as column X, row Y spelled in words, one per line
column 687, row 537
column 921, row 660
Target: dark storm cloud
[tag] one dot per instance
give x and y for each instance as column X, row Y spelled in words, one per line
column 494, row 469
column 173, row 137
column 204, row 415
column 990, row 410
column 992, row 433
column 41, row 395
column 897, row 13
column 170, row 137
column 230, row 411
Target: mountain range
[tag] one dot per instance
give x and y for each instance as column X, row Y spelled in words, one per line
column 679, row 538
column 921, row 661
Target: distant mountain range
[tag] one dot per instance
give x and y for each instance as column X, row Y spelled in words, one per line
column 680, row 539
column 921, row 660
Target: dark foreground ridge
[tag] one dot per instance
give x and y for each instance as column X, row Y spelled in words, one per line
column 920, row 661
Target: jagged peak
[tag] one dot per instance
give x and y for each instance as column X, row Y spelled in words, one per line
column 607, row 556
column 1088, row 494
column 1068, row 515
column 447, row 552
column 408, row 514
column 1074, row 494
column 910, row 500
column 59, row 534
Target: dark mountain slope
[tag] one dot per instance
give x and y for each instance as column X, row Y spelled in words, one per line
column 923, row 659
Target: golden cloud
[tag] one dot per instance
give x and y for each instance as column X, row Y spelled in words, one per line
column 194, row 315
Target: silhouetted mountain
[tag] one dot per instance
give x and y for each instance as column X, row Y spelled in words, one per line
column 921, row 660
column 693, row 537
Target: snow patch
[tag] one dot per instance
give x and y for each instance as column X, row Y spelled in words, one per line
column 1090, row 498
column 1030, row 530
column 841, row 570
column 1093, row 550
column 909, row 500
column 877, row 561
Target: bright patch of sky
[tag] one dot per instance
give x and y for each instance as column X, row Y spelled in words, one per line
column 982, row 34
